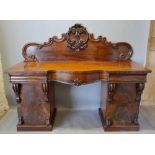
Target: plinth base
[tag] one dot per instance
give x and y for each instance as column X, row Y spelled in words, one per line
column 115, row 127
column 25, row 127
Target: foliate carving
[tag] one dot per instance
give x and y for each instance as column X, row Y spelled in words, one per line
column 45, row 90
column 111, row 89
column 77, row 37
column 77, row 82
column 139, row 90
column 16, row 88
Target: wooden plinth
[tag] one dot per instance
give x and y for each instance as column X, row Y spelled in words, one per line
column 38, row 127
column 132, row 127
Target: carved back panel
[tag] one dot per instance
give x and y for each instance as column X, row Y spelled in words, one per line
column 77, row 45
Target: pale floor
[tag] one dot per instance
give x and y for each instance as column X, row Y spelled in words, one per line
column 80, row 121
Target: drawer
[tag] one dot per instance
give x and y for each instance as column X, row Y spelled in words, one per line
column 127, row 78
column 74, row 78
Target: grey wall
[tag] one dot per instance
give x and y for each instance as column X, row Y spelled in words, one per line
column 14, row 34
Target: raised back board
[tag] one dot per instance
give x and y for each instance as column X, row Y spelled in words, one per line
column 77, row 45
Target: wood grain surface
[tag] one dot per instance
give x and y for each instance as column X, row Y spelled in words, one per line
column 47, row 66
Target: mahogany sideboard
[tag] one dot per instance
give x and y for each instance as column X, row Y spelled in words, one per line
column 78, row 58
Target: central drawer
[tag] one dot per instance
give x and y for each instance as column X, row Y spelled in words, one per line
column 74, row 78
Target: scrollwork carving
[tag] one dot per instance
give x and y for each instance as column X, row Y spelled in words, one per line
column 125, row 50
column 16, row 88
column 100, row 39
column 77, row 82
column 52, row 40
column 139, row 90
column 77, row 42
column 29, row 57
column 32, row 57
column 77, row 38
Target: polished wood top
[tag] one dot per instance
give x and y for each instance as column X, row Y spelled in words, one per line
column 45, row 66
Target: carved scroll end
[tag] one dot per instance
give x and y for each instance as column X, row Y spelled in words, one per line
column 125, row 50
column 29, row 57
column 16, row 87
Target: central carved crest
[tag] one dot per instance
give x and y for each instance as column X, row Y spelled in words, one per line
column 77, row 37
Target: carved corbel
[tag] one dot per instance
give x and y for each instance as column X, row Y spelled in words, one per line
column 16, row 87
column 139, row 90
column 111, row 89
column 45, row 90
